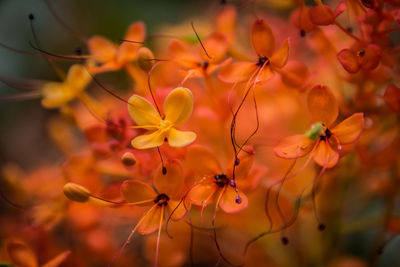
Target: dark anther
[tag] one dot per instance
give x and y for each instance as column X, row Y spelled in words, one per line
column 237, row 161
column 321, row 227
column 238, row 200
column 232, row 183
column 361, row 53
column 328, row 133
column 322, row 138
column 165, row 139
column 285, row 240
column 31, row 17
column 164, row 170
column 302, row 33
column 161, row 200
column 350, row 29
column 205, row 64
column 78, row 51
column 223, row 2
column 262, row 61
column 221, row 180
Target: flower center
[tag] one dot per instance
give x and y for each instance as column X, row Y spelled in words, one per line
column 165, row 124
column 161, row 200
column 221, row 180
column 262, row 61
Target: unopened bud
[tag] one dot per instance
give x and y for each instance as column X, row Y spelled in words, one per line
column 145, row 59
column 76, row 192
column 128, row 159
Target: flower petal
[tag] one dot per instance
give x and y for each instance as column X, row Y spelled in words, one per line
column 178, row 138
column 183, row 54
column 322, row 105
column 237, row 72
column 20, row 254
column 136, row 32
column 322, row 15
column 228, row 200
column 78, row 77
column 226, row 22
column 143, row 112
column 293, row 146
column 371, row 57
column 392, row 97
column 325, row 156
column 202, row 193
column 154, row 139
column 178, row 211
column 170, row 183
column 350, row 129
column 56, row 94
column 349, row 60
column 101, row 49
column 178, row 105
column 151, row 221
column 280, row 57
column 216, row 46
column 136, row 191
column 202, row 161
column 295, row 74
column 263, row 39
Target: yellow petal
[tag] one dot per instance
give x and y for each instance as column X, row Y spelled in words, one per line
column 143, row 112
column 78, row 77
column 56, row 94
column 154, row 139
column 178, row 106
column 178, row 138
column 101, row 49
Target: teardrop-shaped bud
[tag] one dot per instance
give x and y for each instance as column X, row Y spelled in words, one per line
column 145, row 59
column 76, row 192
column 128, row 159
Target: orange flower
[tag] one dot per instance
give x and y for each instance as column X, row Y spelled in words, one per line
column 322, row 141
column 360, row 57
column 204, row 163
column 268, row 60
column 112, row 57
column 195, row 61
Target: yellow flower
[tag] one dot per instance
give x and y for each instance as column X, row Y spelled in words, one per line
column 178, row 107
column 57, row 94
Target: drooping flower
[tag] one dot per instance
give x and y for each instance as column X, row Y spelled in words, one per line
column 323, row 142
column 178, row 107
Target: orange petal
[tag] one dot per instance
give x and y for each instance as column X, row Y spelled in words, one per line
column 293, row 146
column 136, row 191
column 101, row 49
column 350, row 129
column 371, row 57
column 136, row 32
column 295, row 74
column 392, row 97
column 216, row 46
column 237, row 72
column 228, row 200
column 325, row 156
column 178, row 211
column 279, row 59
column 301, row 19
column 127, row 52
column 202, row 194
column 202, row 161
column 246, row 160
column 183, row 54
column 151, row 221
column 170, row 183
column 322, row 15
column 322, row 105
column 342, row 6
column 78, row 77
column 263, row 39
column 20, row 254
column 265, row 74
column 349, row 60
column 226, row 22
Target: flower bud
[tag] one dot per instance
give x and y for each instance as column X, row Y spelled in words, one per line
column 76, row 192
column 145, row 59
column 128, row 159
